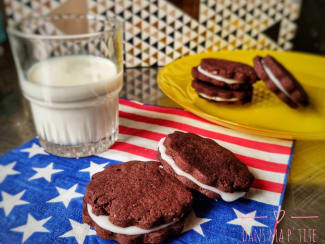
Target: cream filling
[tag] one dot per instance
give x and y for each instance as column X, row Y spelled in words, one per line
column 274, row 79
column 217, row 77
column 226, row 196
column 219, row 99
column 103, row 222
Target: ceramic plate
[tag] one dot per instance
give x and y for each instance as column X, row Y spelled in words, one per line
column 266, row 114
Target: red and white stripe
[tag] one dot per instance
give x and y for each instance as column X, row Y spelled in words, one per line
column 142, row 126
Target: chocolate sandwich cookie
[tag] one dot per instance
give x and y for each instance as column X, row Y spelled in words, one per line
column 136, row 202
column 202, row 164
column 225, row 73
column 280, row 81
column 222, row 95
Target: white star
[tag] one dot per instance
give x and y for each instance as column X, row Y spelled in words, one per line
column 94, row 168
column 65, row 196
column 34, row 150
column 247, row 221
column 45, row 173
column 6, row 170
column 31, row 227
column 194, row 223
column 79, row 231
column 10, row 201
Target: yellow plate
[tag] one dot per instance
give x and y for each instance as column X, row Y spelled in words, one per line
column 266, row 114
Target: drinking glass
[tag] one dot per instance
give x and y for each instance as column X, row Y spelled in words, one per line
column 70, row 69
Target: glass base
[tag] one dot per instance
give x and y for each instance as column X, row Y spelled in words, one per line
column 80, row 150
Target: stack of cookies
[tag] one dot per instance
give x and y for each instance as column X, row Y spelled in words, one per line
column 230, row 82
column 224, row 81
column 148, row 202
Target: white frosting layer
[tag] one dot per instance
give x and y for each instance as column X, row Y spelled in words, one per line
column 219, row 99
column 217, row 77
column 103, row 222
column 274, row 79
column 226, row 196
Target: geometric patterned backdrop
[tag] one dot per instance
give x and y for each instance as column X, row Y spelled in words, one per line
column 157, row 32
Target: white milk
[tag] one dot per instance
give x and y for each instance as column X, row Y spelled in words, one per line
column 74, row 99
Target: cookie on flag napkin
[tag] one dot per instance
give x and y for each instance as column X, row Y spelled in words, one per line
column 41, row 194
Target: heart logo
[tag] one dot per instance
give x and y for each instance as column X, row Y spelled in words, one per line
column 279, row 215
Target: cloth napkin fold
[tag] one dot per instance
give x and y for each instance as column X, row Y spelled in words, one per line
column 41, row 194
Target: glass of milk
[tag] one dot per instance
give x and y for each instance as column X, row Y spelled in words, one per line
column 70, row 69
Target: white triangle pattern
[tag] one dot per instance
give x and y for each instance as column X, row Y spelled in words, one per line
column 156, row 32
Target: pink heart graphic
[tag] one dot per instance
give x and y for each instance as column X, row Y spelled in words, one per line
column 281, row 213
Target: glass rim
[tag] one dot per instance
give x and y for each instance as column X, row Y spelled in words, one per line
column 13, row 30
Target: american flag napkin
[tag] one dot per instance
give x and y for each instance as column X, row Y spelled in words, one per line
column 41, row 194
